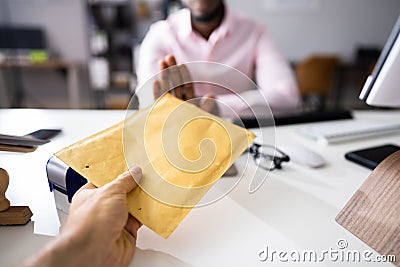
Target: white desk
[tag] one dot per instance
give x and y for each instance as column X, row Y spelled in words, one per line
column 294, row 210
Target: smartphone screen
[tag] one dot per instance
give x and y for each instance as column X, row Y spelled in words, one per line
column 44, row 134
column 371, row 157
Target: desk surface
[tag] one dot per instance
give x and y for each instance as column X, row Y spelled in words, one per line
column 293, row 211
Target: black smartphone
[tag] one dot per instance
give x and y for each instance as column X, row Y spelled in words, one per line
column 371, row 157
column 25, row 141
column 44, row 134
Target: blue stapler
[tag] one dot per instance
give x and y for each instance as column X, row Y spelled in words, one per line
column 63, row 181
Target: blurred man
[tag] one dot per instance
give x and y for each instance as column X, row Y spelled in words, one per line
column 206, row 30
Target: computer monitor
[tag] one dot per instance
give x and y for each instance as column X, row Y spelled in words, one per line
column 382, row 87
column 21, row 38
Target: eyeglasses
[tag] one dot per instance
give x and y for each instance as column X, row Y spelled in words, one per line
column 268, row 157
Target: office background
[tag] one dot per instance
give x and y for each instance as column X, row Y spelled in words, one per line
column 301, row 29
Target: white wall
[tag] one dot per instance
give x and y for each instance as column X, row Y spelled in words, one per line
column 332, row 26
column 64, row 22
column 66, row 28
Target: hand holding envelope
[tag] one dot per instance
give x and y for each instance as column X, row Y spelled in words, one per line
column 181, row 149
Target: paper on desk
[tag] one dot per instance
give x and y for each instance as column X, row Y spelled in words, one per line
column 181, row 149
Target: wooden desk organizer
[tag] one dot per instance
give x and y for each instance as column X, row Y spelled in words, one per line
column 373, row 212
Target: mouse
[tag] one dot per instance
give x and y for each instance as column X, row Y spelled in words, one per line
column 303, row 155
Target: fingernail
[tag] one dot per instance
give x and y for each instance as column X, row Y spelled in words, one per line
column 136, row 172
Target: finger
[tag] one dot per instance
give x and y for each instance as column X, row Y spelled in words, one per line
column 162, row 65
column 88, row 185
column 176, row 80
column 127, row 181
column 157, row 92
column 188, row 90
column 175, row 76
column 170, row 60
column 209, row 104
column 164, row 77
column 132, row 225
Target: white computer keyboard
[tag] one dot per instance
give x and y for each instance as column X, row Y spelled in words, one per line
column 345, row 130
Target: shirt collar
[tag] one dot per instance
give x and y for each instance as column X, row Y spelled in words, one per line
column 226, row 25
column 186, row 26
column 223, row 29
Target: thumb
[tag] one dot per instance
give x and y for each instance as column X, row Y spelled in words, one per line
column 127, row 181
column 208, row 103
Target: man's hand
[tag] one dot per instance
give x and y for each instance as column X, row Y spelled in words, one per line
column 176, row 79
column 173, row 76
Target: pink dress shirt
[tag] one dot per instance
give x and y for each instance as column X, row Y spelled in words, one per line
column 239, row 43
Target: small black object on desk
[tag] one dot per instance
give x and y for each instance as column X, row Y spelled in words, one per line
column 313, row 116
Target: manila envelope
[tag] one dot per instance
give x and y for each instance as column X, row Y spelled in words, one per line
column 181, row 149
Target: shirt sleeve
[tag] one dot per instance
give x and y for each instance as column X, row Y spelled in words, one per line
column 152, row 49
column 275, row 80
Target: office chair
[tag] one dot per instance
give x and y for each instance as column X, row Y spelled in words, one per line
column 316, row 77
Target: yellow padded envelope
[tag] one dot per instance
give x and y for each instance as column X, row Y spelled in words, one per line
column 181, row 149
